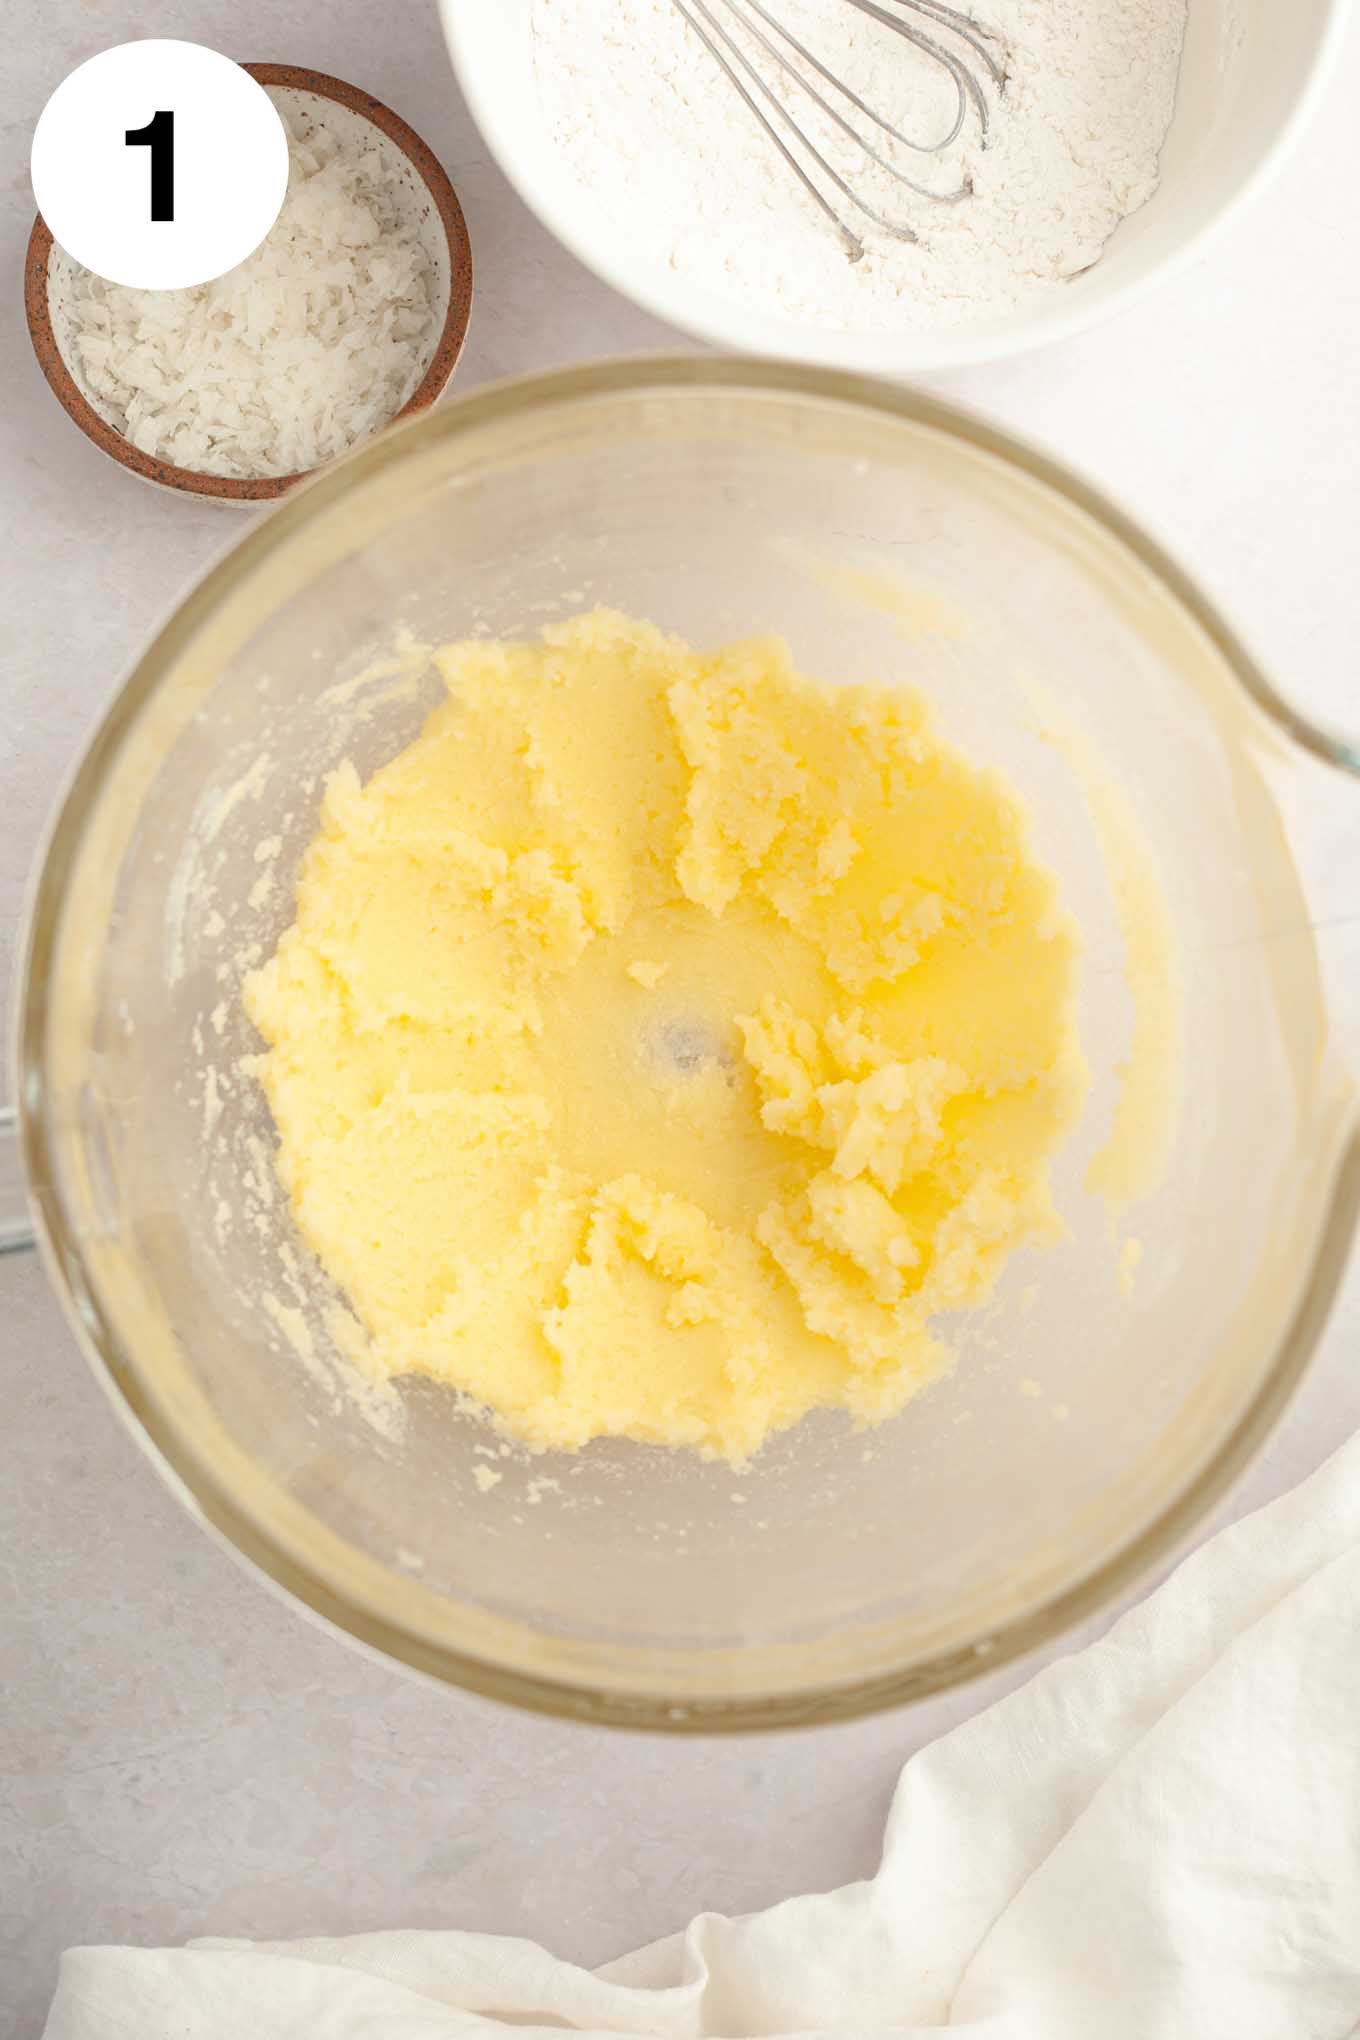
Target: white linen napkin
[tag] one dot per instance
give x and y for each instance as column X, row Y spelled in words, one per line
column 1156, row 1839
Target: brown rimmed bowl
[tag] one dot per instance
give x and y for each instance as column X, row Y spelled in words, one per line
column 324, row 101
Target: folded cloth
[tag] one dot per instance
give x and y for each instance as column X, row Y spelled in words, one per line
column 1156, row 1839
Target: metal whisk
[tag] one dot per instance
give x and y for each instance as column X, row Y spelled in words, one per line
column 970, row 55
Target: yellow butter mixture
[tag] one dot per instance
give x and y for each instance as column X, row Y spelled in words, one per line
column 665, row 1038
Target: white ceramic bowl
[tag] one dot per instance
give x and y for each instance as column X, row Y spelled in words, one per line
column 1251, row 73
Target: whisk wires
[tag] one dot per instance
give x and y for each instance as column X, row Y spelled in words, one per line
column 720, row 25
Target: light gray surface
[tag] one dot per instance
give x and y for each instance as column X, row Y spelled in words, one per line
column 179, row 1752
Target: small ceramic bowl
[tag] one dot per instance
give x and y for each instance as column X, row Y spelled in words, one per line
column 421, row 184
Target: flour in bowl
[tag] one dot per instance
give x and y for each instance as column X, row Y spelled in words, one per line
column 660, row 141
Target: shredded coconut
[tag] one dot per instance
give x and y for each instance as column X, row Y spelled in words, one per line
column 657, row 137
column 283, row 363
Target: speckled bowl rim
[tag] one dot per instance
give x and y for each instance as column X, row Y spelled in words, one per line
column 267, row 488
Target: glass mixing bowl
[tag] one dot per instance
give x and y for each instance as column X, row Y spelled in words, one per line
column 1091, row 1418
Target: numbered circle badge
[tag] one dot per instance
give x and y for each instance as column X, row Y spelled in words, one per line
column 159, row 164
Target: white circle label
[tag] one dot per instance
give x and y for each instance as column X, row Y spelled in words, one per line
column 159, row 164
